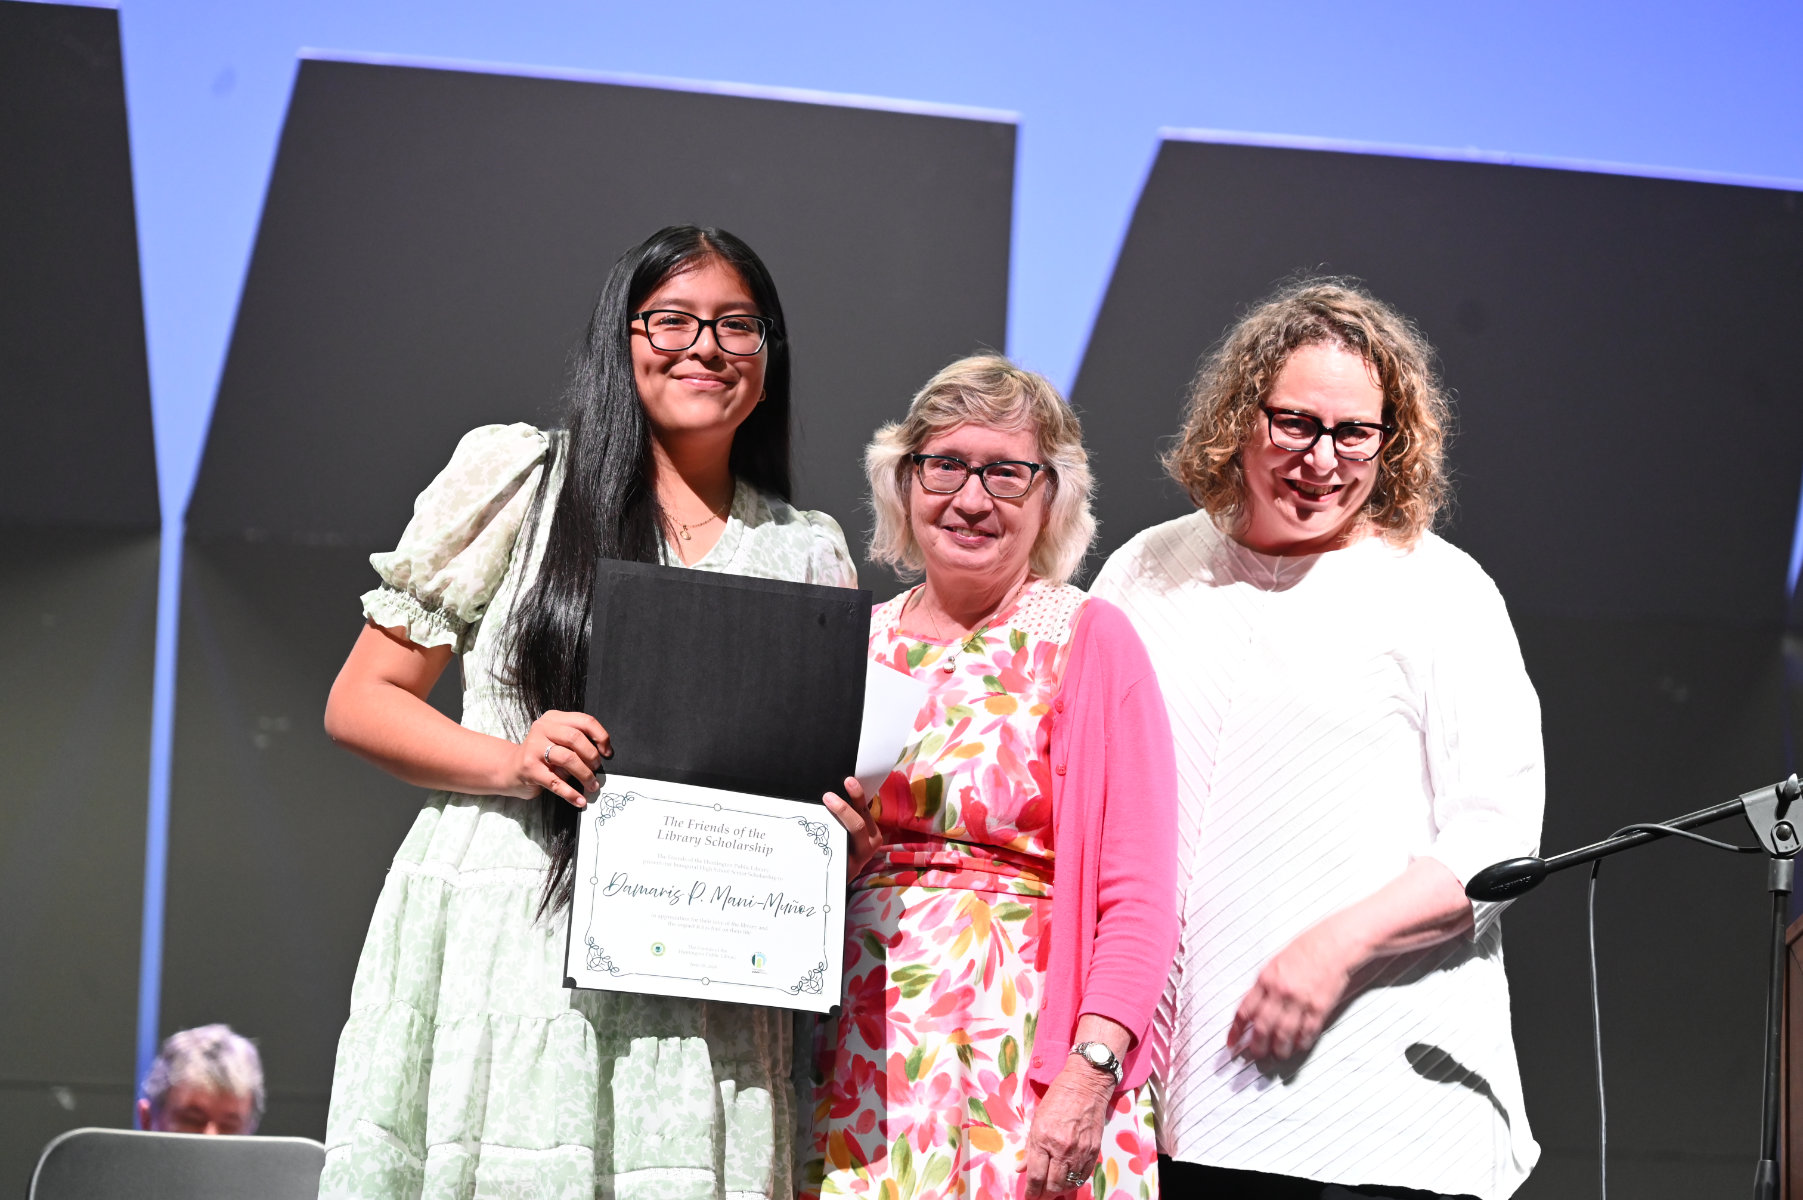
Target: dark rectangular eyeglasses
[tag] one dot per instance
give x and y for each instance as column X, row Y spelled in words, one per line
column 1297, row 432
column 1009, row 479
column 670, row 329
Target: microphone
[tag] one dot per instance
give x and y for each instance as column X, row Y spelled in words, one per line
column 1507, row 880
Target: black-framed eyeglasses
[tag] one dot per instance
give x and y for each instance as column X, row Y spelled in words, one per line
column 1297, row 432
column 1009, row 479
column 741, row 334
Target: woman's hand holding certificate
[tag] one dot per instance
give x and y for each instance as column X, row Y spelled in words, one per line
column 861, row 831
column 562, row 754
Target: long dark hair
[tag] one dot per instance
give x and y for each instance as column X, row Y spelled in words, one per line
column 608, row 507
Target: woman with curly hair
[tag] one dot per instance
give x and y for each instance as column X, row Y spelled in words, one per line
column 1356, row 737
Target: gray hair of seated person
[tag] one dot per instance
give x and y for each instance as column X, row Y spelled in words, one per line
column 987, row 390
column 211, row 1057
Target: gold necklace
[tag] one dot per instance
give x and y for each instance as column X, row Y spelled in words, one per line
column 682, row 530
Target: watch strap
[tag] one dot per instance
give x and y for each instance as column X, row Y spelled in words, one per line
column 1111, row 1063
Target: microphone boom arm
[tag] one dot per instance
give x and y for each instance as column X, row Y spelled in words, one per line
column 1765, row 808
column 1767, row 811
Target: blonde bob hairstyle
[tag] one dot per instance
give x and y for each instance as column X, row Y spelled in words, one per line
column 1225, row 403
column 987, row 390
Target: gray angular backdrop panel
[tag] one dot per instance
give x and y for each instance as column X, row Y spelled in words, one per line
column 73, row 381
column 430, row 249
column 78, row 564
column 1624, row 352
column 74, row 757
column 1627, row 459
column 433, row 242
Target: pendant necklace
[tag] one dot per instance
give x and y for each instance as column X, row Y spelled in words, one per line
column 682, row 528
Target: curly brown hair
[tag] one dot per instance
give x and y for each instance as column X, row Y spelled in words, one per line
column 1237, row 377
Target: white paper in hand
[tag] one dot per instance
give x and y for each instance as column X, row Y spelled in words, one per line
column 892, row 701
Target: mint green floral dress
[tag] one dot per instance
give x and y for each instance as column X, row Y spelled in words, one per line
column 465, row 1068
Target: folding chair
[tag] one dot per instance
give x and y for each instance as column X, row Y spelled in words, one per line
column 124, row 1164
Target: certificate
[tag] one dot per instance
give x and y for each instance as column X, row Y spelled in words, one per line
column 694, row 891
column 707, row 866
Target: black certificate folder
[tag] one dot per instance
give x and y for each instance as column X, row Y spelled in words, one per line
column 726, row 681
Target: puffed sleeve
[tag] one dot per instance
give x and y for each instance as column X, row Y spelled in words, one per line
column 829, row 561
column 454, row 552
column 1484, row 756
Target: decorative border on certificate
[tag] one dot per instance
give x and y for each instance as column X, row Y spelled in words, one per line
column 692, row 891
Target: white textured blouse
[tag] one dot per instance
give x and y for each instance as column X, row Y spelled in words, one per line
column 1337, row 716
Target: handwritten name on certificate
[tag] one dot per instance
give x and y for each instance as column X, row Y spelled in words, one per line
column 694, row 891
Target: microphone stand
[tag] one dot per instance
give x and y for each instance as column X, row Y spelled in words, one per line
column 1767, row 810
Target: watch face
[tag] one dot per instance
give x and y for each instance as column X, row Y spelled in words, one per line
column 1100, row 1055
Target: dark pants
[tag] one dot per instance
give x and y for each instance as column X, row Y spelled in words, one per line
column 1187, row 1181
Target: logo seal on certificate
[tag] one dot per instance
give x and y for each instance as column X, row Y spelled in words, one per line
column 694, row 891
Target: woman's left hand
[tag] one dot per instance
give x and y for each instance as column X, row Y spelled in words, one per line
column 1300, row 988
column 1293, row 996
column 1066, row 1135
column 863, row 833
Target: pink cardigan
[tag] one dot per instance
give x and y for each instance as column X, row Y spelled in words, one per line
column 1114, row 819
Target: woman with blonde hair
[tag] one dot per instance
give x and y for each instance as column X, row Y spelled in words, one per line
column 1357, row 737
column 1008, row 933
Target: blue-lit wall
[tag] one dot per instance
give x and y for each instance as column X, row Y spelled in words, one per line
column 1705, row 87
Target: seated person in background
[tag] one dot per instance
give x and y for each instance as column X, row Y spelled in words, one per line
column 205, row 1080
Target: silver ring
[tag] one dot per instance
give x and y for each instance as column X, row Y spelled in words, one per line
column 1075, row 1178
column 547, row 755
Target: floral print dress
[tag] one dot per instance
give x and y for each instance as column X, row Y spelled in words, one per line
column 923, row 1089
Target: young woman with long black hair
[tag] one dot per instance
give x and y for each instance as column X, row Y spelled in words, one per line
column 465, row 1067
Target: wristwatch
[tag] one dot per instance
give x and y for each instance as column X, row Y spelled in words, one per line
column 1100, row 1057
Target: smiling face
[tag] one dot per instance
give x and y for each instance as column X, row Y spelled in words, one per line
column 701, row 392
column 969, row 537
column 1306, row 503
